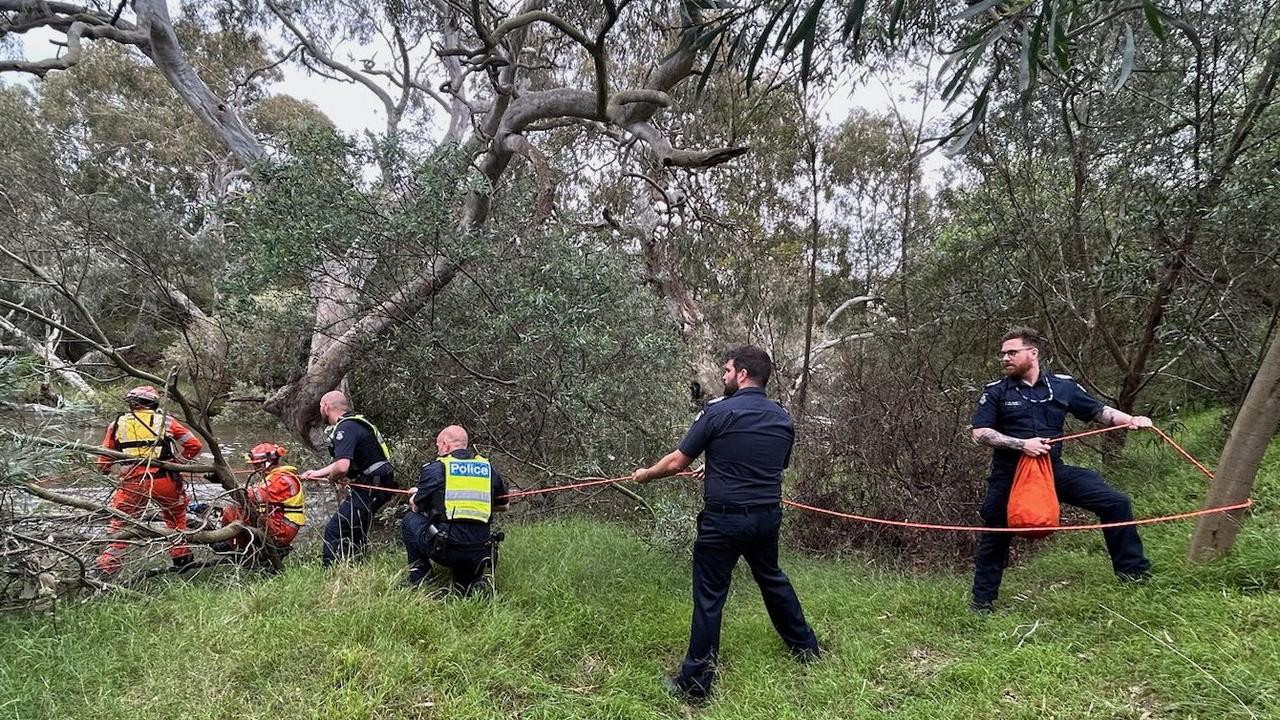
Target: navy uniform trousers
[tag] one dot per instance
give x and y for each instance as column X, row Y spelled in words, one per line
column 466, row 561
column 723, row 537
column 348, row 528
column 1081, row 487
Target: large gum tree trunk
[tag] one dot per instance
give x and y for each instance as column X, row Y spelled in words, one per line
column 1251, row 433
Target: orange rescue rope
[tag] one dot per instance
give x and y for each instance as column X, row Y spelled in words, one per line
column 589, row 481
column 592, row 481
column 1095, row 526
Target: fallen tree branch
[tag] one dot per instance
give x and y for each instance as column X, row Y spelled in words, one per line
column 109, row 453
column 139, row 528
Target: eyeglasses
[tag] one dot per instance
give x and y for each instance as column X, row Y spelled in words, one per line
column 1011, row 353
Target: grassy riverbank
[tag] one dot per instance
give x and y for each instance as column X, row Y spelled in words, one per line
column 589, row 616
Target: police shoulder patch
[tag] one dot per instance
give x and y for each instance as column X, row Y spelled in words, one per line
column 982, row 400
column 338, row 435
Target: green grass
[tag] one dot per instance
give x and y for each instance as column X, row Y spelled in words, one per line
column 590, row 616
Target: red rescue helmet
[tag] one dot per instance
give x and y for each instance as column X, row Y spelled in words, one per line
column 143, row 396
column 264, row 454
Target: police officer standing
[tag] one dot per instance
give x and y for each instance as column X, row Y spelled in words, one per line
column 1016, row 415
column 452, row 516
column 359, row 454
column 747, row 439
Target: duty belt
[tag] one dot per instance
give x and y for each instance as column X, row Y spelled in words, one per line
column 369, row 471
column 719, row 509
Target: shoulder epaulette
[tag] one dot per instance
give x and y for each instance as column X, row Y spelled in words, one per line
column 1063, row 376
column 714, row 400
column 993, row 383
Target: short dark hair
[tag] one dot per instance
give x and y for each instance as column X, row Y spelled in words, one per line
column 752, row 359
column 1028, row 335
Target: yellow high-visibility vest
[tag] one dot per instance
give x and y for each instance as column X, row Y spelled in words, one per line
column 468, row 488
column 377, row 435
column 142, row 434
column 294, row 505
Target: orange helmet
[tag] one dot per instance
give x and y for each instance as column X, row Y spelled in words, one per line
column 143, row 396
column 264, row 454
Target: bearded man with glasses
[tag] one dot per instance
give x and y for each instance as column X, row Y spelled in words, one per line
column 1016, row 416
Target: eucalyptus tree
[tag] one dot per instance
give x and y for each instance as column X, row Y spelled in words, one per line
column 502, row 75
column 1133, row 213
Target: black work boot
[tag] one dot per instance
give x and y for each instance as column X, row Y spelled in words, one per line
column 689, row 696
column 982, row 607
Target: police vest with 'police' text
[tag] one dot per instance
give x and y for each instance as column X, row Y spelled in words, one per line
column 468, row 488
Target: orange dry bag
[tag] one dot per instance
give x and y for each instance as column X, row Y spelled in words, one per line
column 1033, row 503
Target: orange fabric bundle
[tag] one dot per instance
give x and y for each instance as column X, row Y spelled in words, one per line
column 1033, row 502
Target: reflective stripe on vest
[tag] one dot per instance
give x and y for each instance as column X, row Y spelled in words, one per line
column 468, row 488
column 294, row 505
column 386, row 452
column 142, row 434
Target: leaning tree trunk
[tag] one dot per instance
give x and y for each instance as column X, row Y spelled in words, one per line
column 297, row 404
column 1251, row 433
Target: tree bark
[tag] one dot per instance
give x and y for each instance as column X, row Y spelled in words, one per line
column 806, row 369
column 297, row 404
column 1251, row 433
column 216, row 114
column 663, row 275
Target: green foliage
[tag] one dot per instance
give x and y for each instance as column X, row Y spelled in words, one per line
column 555, row 353
column 19, row 378
column 1072, row 214
column 307, row 210
column 267, row 333
column 111, row 179
column 9, row 377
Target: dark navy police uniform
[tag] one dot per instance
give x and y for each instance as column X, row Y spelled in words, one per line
column 346, row 532
column 747, row 439
column 1011, row 407
column 460, row 545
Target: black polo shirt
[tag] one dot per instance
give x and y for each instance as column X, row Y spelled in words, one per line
column 747, row 438
column 1013, row 408
column 354, row 441
column 429, row 499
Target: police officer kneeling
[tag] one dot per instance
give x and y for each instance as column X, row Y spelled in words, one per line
column 747, row 438
column 452, row 518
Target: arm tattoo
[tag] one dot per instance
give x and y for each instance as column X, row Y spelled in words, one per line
column 1107, row 416
column 991, row 438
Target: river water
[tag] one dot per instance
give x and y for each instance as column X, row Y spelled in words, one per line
column 74, row 475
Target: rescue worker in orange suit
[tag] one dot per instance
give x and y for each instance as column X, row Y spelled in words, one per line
column 452, row 519
column 275, row 491
column 147, row 435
